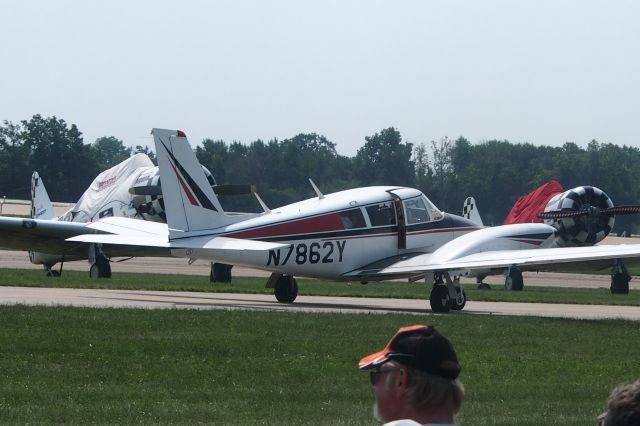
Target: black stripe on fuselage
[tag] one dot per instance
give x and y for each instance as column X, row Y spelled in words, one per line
column 537, row 236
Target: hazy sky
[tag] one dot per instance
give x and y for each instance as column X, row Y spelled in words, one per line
column 544, row 72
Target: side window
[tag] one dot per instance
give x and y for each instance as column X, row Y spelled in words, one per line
column 382, row 214
column 352, row 219
column 416, row 211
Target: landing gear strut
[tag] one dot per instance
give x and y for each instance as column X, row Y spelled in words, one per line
column 619, row 278
column 100, row 267
column 52, row 272
column 513, row 279
column 446, row 296
column 220, row 273
column 481, row 284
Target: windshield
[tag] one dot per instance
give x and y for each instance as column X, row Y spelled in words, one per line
column 420, row 210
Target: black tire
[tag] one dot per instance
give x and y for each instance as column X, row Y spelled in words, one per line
column 220, row 273
column 286, row 289
column 101, row 268
column 620, row 283
column 439, row 299
column 484, row 286
column 459, row 303
column 513, row 281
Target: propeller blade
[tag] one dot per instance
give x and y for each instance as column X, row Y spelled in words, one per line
column 617, row 210
column 622, row 210
column 146, row 190
column 218, row 189
column 229, row 189
column 562, row 214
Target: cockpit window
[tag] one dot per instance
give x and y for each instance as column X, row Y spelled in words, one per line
column 420, row 210
column 416, row 211
column 382, row 214
column 435, row 213
column 352, row 219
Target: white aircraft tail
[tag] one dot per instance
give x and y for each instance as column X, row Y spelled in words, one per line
column 189, row 201
column 470, row 211
column 41, row 207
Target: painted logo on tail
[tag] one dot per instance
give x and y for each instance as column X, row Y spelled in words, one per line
column 194, row 193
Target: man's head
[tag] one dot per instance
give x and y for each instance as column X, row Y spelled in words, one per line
column 415, row 376
column 623, row 405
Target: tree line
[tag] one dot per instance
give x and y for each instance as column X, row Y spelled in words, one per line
column 495, row 172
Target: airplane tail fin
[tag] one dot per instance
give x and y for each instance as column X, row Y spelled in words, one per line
column 189, row 201
column 470, row 211
column 41, row 207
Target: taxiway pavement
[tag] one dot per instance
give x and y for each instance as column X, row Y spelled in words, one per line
column 198, row 300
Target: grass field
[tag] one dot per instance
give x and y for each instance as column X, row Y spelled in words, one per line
column 31, row 277
column 106, row 366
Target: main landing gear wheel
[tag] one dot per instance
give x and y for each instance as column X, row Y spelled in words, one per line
column 620, row 283
column 513, row 280
column 286, row 289
column 439, row 299
column 220, row 273
column 458, row 303
column 100, row 268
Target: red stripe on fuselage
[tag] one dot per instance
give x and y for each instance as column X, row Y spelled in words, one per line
column 326, row 223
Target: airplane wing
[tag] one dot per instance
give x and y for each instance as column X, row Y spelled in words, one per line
column 53, row 236
column 39, row 235
column 595, row 257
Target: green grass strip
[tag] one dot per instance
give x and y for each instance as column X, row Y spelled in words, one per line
column 394, row 289
column 110, row 366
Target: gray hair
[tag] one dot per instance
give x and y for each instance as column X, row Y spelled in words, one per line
column 429, row 390
column 623, row 405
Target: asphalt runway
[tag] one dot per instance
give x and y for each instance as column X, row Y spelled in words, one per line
column 197, row 300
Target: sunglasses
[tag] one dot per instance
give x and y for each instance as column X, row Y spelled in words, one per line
column 375, row 375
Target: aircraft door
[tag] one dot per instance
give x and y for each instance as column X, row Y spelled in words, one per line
column 402, row 228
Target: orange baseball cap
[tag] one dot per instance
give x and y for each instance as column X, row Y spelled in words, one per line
column 418, row 346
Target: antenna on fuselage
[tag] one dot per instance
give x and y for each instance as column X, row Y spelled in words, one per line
column 315, row 188
column 264, row 206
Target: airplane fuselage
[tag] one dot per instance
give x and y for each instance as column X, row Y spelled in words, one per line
column 330, row 236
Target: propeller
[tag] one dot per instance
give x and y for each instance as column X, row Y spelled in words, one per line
column 591, row 211
column 227, row 189
column 230, row 189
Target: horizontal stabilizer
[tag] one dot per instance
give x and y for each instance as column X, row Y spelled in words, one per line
column 119, row 240
column 233, row 251
column 125, row 231
column 225, row 243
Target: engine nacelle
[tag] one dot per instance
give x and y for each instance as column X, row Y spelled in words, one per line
column 46, row 259
column 581, row 230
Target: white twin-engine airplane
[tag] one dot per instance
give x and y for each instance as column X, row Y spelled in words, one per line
column 364, row 234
